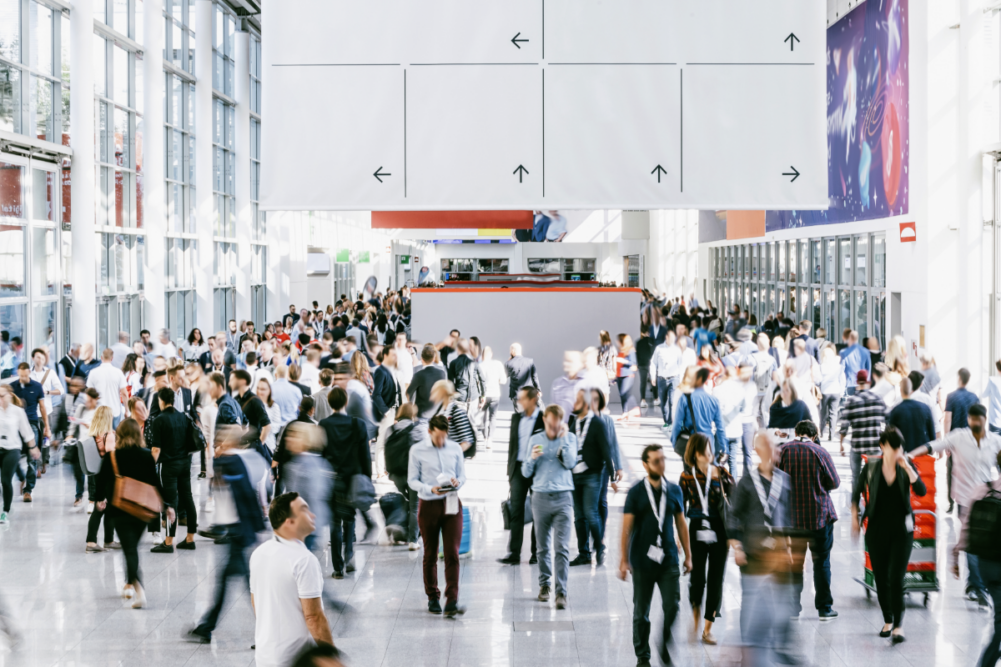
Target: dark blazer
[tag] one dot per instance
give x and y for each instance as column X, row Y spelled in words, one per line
column 419, row 391
column 347, row 445
column 512, row 448
column 870, row 472
column 595, row 450
column 465, row 375
column 154, row 405
column 385, row 392
column 521, row 373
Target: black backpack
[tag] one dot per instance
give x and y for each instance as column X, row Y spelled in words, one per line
column 195, row 441
column 984, row 527
column 398, row 444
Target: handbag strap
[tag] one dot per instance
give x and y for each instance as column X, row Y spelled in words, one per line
column 691, row 411
column 114, row 463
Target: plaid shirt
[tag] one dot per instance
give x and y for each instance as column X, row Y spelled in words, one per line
column 813, row 477
column 865, row 413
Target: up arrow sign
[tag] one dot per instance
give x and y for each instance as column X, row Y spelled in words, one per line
column 659, row 170
column 521, row 171
column 792, row 39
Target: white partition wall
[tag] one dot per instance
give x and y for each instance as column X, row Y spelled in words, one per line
column 546, row 322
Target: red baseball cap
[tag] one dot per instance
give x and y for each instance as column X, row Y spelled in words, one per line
column 862, row 377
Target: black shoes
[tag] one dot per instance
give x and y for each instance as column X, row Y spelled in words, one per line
column 828, row 615
column 194, row 637
column 163, row 548
column 350, row 567
column 509, row 560
column 338, row 574
column 884, row 633
column 601, row 557
column 434, row 606
column 582, row 559
column 534, row 560
column 451, row 609
column 188, row 546
column 544, row 594
column 898, row 639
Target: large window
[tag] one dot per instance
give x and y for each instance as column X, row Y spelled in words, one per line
column 258, row 222
column 835, row 283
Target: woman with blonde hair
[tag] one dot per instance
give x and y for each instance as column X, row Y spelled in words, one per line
column 360, row 370
column 459, row 429
column 131, row 460
column 104, row 436
column 606, row 354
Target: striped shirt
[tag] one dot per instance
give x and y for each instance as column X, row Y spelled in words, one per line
column 865, row 414
column 459, row 428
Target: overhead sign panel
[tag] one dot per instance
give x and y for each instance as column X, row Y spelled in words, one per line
column 544, row 104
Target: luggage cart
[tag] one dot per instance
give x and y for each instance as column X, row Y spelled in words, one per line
column 922, row 568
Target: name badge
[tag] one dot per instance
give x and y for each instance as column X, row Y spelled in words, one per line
column 909, row 523
column 768, row 543
column 706, row 536
column 656, row 554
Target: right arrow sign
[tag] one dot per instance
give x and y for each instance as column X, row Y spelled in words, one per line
column 660, row 171
column 793, row 173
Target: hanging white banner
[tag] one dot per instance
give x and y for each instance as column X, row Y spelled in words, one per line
column 544, row 104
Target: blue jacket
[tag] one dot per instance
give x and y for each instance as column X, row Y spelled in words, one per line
column 856, row 358
column 229, row 412
column 707, row 413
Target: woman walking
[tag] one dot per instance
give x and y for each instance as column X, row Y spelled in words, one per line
column 128, row 459
column 705, row 488
column 460, row 429
column 887, row 483
column 832, row 388
column 14, row 430
column 100, row 430
column 787, row 410
column 625, row 376
column 274, row 411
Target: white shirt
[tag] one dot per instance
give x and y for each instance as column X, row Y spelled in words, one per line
column 166, row 350
column 51, row 383
column 992, row 395
column 14, row 428
column 494, row 376
column 666, row 362
column 405, row 365
column 282, row 572
column 972, row 466
column 121, row 351
column 108, row 381
column 310, row 376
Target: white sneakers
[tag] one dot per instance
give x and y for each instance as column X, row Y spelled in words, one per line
column 128, row 592
column 90, row 507
column 413, row 546
column 139, row 599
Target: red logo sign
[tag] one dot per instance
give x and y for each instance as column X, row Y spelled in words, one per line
column 908, row 232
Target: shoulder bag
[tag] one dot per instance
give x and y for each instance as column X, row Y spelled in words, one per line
column 681, row 444
column 139, row 499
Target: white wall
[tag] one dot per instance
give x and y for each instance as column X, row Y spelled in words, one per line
column 672, row 265
column 545, row 322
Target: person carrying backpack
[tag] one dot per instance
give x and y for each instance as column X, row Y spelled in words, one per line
column 981, row 536
column 403, row 435
column 764, row 369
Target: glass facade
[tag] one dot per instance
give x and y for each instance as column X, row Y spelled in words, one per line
column 836, row 283
column 224, row 164
column 258, row 236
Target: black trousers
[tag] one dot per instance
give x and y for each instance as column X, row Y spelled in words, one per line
column 130, row 531
column 9, row 460
column 708, row 567
column 95, row 522
column 520, row 486
column 889, row 554
column 175, row 477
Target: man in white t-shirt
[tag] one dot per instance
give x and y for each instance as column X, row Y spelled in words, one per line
column 110, row 384
column 286, row 585
column 165, row 347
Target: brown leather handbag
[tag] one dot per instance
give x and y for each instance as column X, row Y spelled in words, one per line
column 139, row 499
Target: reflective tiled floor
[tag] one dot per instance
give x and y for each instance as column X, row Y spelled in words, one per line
column 66, row 603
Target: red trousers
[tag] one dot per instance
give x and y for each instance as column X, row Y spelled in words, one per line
column 432, row 519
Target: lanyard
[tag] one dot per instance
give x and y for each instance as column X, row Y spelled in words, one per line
column 658, row 511
column 582, row 427
column 772, row 501
column 704, row 498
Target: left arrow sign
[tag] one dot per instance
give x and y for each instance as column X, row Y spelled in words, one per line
column 515, row 40
column 379, row 172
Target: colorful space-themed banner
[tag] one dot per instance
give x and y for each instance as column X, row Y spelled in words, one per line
column 867, row 119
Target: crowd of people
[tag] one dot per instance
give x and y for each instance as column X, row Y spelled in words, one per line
column 291, row 426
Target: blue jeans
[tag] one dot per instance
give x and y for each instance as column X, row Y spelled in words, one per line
column 587, row 519
column 855, row 457
column 820, row 543
column 551, row 513
column 991, row 572
column 665, row 392
column 342, row 532
column 625, row 385
column 667, row 579
column 764, row 617
column 745, row 442
column 973, row 578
